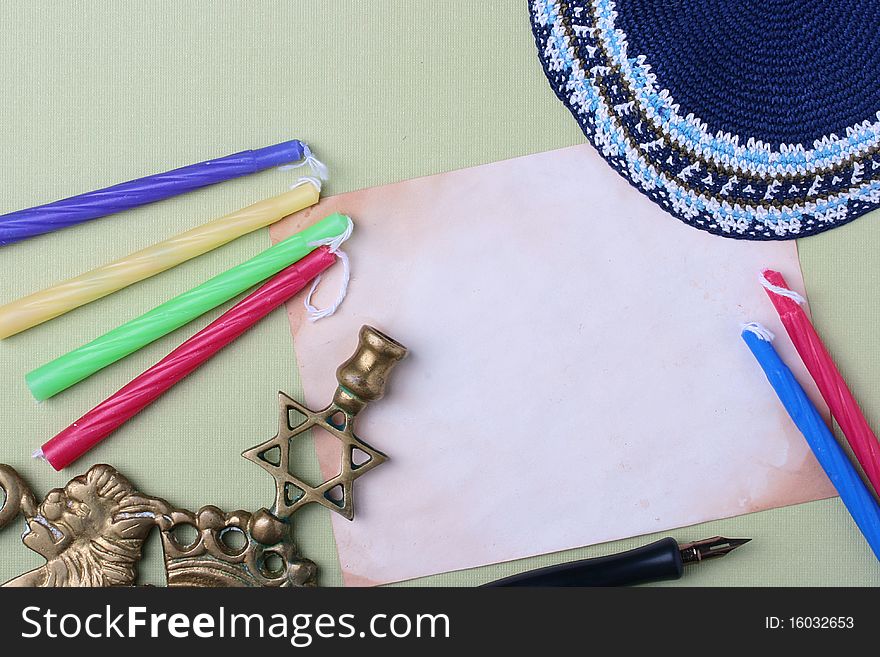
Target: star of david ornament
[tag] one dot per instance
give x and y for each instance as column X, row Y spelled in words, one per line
column 361, row 380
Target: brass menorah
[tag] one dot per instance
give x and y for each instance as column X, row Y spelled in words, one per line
column 92, row 531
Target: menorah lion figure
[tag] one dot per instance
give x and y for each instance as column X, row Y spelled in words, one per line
column 92, row 531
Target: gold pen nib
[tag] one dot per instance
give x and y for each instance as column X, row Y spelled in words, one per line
column 709, row 548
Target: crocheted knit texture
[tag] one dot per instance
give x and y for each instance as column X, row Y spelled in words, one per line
column 753, row 119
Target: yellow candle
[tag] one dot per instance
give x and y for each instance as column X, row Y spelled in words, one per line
column 42, row 306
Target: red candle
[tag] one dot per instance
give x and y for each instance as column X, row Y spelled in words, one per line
column 830, row 382
column 116, row 410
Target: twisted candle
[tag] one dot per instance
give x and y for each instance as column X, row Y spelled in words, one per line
column 17, row 226
column 73, row 367
column 834, row 461
column 47, row 304
column 116, row 410
column 828, row 378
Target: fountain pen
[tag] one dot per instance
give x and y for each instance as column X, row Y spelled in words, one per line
column 662, row 560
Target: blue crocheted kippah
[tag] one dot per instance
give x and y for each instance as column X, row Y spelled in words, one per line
column 753, row 119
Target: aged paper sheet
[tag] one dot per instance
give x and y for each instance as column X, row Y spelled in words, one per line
column 576, row 372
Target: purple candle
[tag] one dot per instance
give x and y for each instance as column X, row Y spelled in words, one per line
column 17, row 226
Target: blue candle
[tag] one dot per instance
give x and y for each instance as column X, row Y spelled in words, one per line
column 855, row 495
column 17, row 226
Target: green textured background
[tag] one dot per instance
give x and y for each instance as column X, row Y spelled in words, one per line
column 100, row 92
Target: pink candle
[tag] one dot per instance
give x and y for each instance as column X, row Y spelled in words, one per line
column 830, row 382
column 116, row 410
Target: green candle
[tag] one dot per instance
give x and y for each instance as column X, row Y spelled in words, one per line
column 73, row 367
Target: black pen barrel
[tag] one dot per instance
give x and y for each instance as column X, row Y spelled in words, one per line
column 657, row 561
